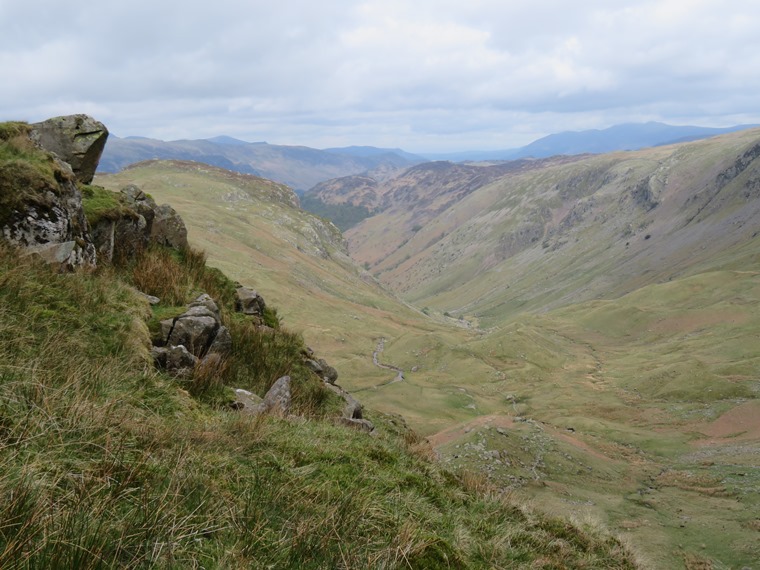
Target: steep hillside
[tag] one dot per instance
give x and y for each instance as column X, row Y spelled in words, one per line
column 558, row 234
column 297, row 166
column 108, row 462
column 299, row 262
column 637, row 411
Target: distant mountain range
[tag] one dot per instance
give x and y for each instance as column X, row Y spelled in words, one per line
column 302, row 167
column 299, row 167
column 630, row 136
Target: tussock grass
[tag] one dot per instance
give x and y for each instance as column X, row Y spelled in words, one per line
column 105, row 463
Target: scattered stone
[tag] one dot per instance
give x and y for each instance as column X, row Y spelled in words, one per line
column 329, row 373
column 502, row 431
column 150, row 298
column 194, row 332
column 314, row 366
column 249, row 302
column 180, row 363
column 245, row 401
column 277, row 400
column 363, row 425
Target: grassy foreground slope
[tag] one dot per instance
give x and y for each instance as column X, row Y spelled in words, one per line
column 106, row 463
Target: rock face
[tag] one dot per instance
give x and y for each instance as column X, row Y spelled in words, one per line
column 50, row 221
column 78, row 140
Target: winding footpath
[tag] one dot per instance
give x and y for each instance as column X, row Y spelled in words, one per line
column 399, row 372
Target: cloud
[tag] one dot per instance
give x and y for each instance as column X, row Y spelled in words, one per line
column 427, row 75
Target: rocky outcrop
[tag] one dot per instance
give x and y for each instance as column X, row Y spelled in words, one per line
column 45, row 216
column 78, row 140
column 139, row 223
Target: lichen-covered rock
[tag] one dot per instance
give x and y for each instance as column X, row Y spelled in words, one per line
column 48, row 219
column 78, row 140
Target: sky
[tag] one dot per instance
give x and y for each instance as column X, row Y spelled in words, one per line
column 422, row 75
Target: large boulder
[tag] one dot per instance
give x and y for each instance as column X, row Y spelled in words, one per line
column 78, row 140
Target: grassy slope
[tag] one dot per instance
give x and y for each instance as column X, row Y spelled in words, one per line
column 599, row 227
column 105, row 462
column 339, row 309
column 636, row 442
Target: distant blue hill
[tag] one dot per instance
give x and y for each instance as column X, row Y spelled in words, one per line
column 630, row 136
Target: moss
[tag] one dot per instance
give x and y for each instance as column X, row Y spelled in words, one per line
column 101, row 204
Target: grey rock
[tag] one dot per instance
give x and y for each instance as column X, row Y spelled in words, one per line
column 67, row 255
column 206, row 301
column 222, row 343
column 249, row 302
column 278, row 399
column 195, row 333
column 329, row 373
column 129, row 237
column 246, row 402
column 314, row 366
column 78, row 140
column 159, row 355
column 353, row 408
column 168, row 228
column 166, row 328
column 180, row 363
column 150, row 298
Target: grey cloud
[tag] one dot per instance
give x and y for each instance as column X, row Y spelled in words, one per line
column 451, row 75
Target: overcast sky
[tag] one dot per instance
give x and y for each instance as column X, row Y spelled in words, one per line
column 423, row 75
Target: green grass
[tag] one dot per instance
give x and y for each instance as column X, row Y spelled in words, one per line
column 631, row 376
column 106, row 463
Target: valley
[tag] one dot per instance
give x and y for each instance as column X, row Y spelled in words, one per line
column 581, row 330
